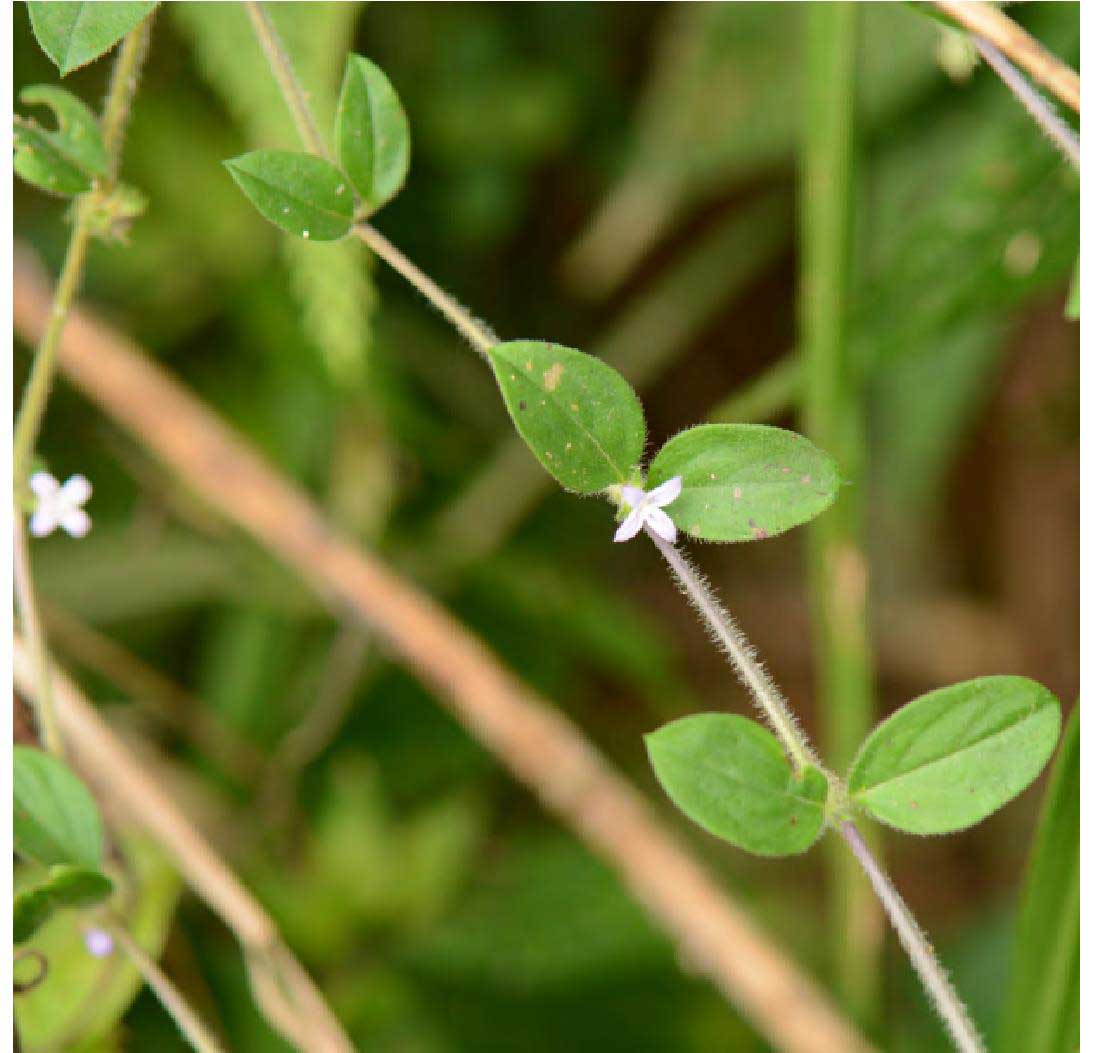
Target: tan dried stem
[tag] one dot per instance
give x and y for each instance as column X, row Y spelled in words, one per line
column 540, row 746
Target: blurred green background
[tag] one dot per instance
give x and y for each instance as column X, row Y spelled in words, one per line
column 620, row 178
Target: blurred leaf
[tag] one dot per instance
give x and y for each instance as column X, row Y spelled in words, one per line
column 82, row 998
column 66, row 886
column 1043, row 1009
column 66, row 160
column 74, row 34
column 948, row 759
column 744, row 482
column 579, row 416
column 56, row 820
column 372, row 137
column 302, row 194
column 730, row 775
column 1073, row 303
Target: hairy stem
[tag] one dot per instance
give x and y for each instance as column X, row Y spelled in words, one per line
column 833, row 417
column 1040, row 111
column 282, row 68
column 740, row 652
column 169, row 996
column 474, row 331
column 920, row 952
column 33, row 406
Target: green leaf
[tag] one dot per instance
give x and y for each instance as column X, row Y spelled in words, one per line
column 579, row 416
column 1043, row 1007
column 1073, row 302
column 73, row 34
column 30, row 911
column 730, row 775
column 56, row 820
column 744, row 482
column 372, row 136
column 949, row 758
column 302, row 194
column 68, row 886
column 64, row 161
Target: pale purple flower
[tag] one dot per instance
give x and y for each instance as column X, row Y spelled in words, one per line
column 99, row 942
column 60, row 505
column 646, row 510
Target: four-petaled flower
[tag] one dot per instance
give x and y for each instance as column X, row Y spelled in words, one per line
column 60, row 505
column 646, row 510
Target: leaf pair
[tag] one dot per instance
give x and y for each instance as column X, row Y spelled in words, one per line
column 64, row 161
column 55, row 823
column 585, row 424
column 941, row 763
column 314, row 199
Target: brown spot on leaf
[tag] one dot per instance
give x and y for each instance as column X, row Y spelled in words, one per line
column 521, row 404
column 551, row 376
column 759, row 533
column 737, row 492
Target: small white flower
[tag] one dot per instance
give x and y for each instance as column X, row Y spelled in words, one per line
column 60, row 505
column 100, row 944
column 646, row 510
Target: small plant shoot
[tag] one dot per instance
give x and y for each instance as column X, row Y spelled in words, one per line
column 341, row 841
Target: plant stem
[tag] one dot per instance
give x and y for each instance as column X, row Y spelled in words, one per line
column 31, row 624
column 833, row 418
column 1040, row 111
column 33, row 406
column 935, row 980
column 986, row 21
column 186, row 1019
column 474, row 331
column 741, row 654
column 281, row 66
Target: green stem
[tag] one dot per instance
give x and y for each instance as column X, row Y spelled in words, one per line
column 833, row 418
column 123, row 84
column 176, row 1006
column 32, row 409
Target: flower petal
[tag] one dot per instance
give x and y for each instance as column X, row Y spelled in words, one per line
column 76, row 490
column 43, row 522
column 632, row 494
column 43, row 485
column 630, row 527
column 75, row 522
column 661, row 524
column 667, row 492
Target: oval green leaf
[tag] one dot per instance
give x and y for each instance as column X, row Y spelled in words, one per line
column 579, row 416
column 68, row 886
column 65, row 160
column 744, row 482
column 949, row 758
column 729, row 775
column 302, row 194
column 74, row 34
column 56, row 820
column 372, row 136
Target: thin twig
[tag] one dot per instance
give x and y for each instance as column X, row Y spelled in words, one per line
column 539, row 745
column 944, row 999
column 119, row 778
column 31, row 626
column 1040, row 111
column 176, row 1006
column 988, row 22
